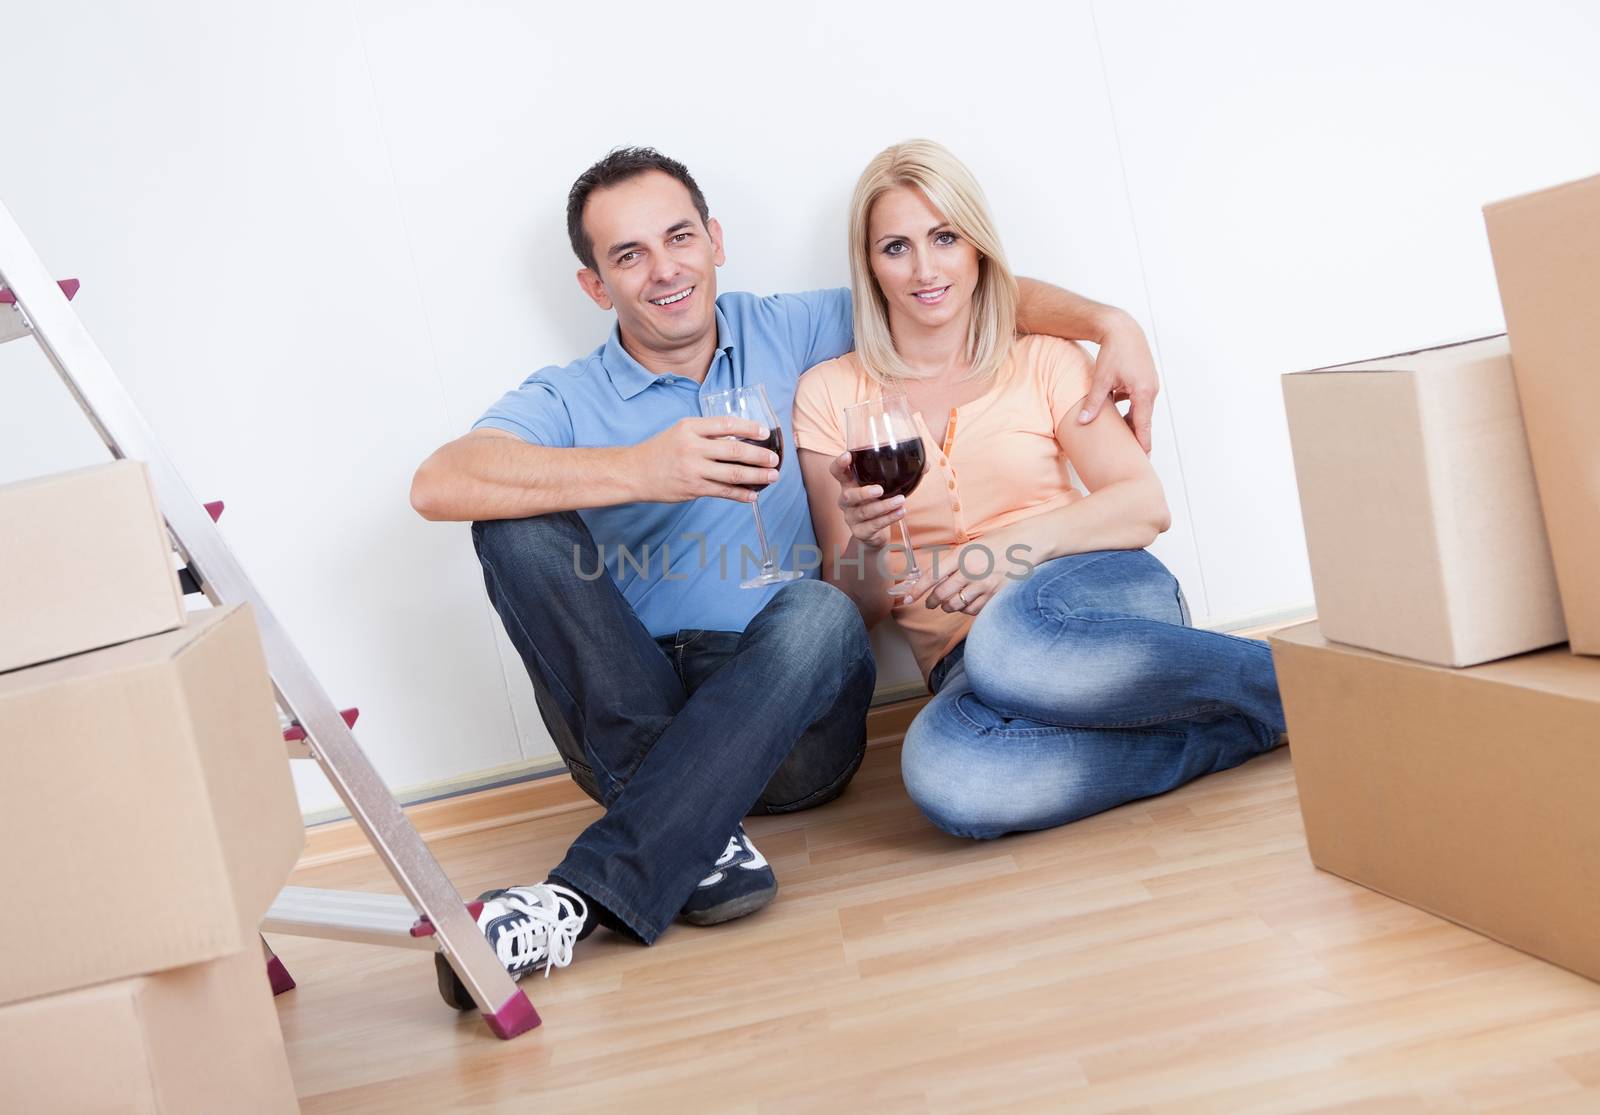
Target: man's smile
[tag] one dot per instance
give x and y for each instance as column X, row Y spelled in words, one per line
column 670, row 299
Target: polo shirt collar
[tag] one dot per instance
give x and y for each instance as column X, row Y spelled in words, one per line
column 629, row 377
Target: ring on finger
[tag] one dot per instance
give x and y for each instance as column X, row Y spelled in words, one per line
column 962, row 596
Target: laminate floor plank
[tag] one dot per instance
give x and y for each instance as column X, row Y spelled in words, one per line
column 1178, row 955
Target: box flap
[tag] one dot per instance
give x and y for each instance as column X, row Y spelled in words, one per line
column 1549, row 193
column 1443, row 356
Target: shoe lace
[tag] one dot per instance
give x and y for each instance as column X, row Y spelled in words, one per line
column 544, row 933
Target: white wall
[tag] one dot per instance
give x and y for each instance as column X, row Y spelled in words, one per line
column 317, row 240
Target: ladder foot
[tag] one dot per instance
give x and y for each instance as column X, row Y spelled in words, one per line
column 515, row 1016
column 279, row 977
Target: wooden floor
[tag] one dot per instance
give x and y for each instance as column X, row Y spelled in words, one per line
column 1176, row 955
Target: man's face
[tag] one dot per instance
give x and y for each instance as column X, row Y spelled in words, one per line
column 655, row 262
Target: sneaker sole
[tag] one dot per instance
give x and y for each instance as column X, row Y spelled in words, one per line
column 451, row 989
column 742, row 906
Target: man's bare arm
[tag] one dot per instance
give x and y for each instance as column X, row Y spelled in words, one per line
column 492, row 474
column 1123, row 370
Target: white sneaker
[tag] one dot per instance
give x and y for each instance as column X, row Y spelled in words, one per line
column 533, row 926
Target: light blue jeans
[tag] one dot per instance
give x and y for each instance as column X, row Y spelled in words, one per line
column 1079, row 689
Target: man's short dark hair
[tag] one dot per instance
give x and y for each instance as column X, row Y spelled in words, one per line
column 620, row 165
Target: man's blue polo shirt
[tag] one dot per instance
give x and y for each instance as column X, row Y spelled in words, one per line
column 693, row 565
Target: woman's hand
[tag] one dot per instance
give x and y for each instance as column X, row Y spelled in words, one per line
column 869, row 516
column 943, row 584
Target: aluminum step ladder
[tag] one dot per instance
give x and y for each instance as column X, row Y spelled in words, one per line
column 428, row 913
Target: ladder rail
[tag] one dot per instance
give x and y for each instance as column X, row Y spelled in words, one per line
column 109, row 407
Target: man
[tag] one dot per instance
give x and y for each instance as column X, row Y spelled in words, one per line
column 679, row 701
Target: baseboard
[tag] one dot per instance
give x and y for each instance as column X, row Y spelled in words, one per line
column 530, row 799
column 545, row 789
column 1258, row 625
column 491, row 778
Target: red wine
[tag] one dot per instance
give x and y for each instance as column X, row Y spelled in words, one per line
column 774, row 442
column 898, row 468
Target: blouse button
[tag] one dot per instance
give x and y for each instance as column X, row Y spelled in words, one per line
column 957, row 506
column 952, row 485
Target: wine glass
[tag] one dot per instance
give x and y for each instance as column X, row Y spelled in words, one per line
column 886, row 449
column 752, row 403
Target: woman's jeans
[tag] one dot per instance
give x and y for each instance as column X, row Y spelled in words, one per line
column 1079, row 689
column 677, row 738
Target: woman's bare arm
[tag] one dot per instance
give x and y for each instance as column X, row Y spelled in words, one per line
column 1124, row 510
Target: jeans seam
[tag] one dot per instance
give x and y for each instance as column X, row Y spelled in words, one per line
column 607, row 898
column 1053, row 607
column 1059, row 729
column 1188, row 713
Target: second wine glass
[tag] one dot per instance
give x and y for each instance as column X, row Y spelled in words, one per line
column 886, row 449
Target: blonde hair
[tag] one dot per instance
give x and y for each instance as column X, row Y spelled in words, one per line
column 951, row 189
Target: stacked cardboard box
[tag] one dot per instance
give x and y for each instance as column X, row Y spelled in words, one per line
column 147, row 816
column 1445, row 745
column 1546, row 250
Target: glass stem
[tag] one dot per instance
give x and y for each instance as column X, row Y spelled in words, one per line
column 761, row 538
column 912, row 572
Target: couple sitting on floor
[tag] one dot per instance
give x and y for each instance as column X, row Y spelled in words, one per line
column 682, row 702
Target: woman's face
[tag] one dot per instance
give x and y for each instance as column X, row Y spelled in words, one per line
column 926, row 270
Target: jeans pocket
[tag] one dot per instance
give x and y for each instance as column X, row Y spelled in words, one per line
column 1183, row 607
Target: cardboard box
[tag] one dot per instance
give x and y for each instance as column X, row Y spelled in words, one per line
column 1421, row 513
column 199, row 1039
column 147, row 814
column 85, row 563
column 1547, row 259
column 1468, row 793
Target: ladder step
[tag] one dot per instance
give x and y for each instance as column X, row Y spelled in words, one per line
column 69, row 287
column 346, row 915
column 294, row 733
column 12, row 323
column 187, row 580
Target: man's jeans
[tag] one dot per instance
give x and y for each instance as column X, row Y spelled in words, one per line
column 678, row 739
column 1079, row 689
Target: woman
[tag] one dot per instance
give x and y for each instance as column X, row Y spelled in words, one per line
column 1063, row 693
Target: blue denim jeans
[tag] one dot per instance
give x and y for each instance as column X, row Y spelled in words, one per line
column 677, row 738
column 1079, row 689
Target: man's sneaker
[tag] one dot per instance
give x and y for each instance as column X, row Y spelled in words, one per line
column 532, row 927
column 740, row 883
column 528, row 927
